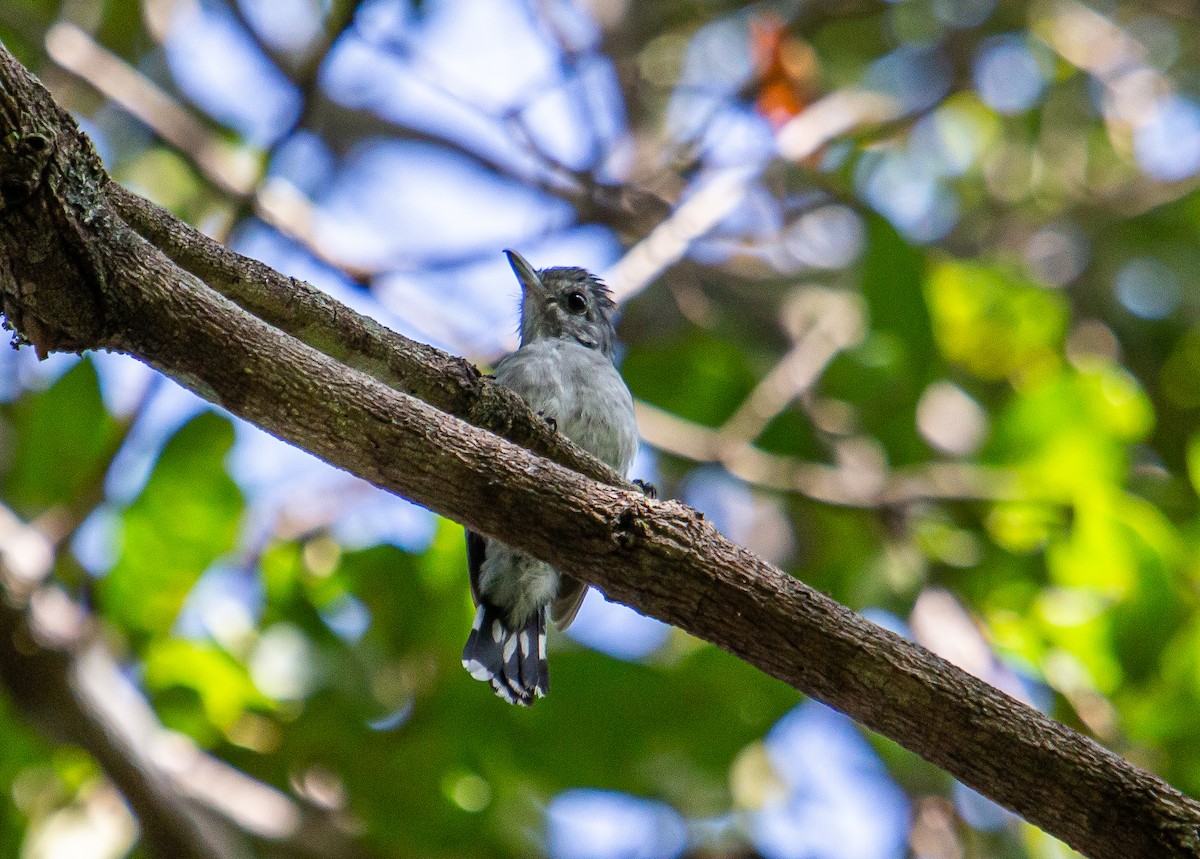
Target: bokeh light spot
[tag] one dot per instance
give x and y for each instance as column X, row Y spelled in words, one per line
column 1007, row 74
column 1148, row 288
column 1167, row 145
column 600, row 824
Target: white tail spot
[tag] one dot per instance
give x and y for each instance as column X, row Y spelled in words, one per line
column 477, row 669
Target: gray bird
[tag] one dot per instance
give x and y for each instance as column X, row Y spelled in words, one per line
column 563, row 370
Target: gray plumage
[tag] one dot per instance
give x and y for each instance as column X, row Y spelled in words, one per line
column 564, row 371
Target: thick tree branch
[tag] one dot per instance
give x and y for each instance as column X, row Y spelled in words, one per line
column 455, row 386
column 446, row 382
column 75, row 276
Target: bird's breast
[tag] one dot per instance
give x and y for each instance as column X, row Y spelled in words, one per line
column 582, row 391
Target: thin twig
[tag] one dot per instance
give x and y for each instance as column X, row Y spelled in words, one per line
column 859, row 482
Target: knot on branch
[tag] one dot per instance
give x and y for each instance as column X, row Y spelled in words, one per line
column 628, row 526
column 51, row 269
column 24, row 159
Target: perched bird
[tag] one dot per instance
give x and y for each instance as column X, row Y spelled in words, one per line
column 564, row 371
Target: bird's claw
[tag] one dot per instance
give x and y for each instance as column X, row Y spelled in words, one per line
column 648, row 488
column 550, row 422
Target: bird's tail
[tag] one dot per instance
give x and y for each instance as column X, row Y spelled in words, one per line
column 512, row 660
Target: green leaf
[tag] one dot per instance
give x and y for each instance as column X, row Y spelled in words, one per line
column 222, row 685
column 185, row 518
column 708, row 378
column 884, row 376
column 1193, row 461
column 892, row 284
column 992, row 322
column 26, row 770
column 1069, row 430
column 63, row 435
column 122, row 29
column 1160, row 601
column 20, row 27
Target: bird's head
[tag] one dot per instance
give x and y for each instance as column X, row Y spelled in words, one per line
column 566, row 303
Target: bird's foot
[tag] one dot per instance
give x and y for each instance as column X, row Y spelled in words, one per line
column 550, row 422
column 648, row 488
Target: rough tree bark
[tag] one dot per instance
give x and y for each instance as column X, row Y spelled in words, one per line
column 84, row 265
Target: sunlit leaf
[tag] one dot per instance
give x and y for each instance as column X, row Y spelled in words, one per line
column 993, row 323
column 185, row 518
column 1193, row 461
column 220, row 682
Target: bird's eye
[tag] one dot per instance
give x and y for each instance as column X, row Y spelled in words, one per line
column 576, row 302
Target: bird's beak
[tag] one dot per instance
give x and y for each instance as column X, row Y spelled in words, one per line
column 531, row 284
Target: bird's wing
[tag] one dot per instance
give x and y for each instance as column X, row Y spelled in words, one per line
column 566, row 605
column 532, row 371
column 516, row 372
column 476, row 546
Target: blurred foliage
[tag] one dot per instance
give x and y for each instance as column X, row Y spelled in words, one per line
column 1004, row 268
column 60, row 438
column 185, row 518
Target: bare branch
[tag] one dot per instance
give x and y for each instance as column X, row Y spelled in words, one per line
column 833, row 116
column 835, row 322
column 223, row 165
column 238, row 172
